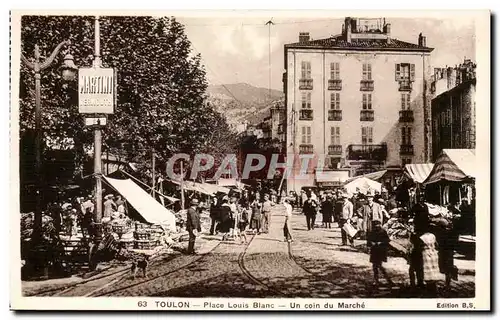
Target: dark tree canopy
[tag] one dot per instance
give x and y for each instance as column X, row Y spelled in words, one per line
column 161, row 86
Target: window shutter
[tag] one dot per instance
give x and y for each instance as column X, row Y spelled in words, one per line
column 337, row 101
column 412, row 72
column 363, row 131
column 403, row 101
column 408, row 101
column 408, row 133
column 403, row 135
column 371, row 134
column 397, row 75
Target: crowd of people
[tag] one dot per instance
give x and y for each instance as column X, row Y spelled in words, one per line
column 433, row 238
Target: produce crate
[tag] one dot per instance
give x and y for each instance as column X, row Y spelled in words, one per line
column 127, row 244
column 120, row 229
column 145, row 244
column 142, row 235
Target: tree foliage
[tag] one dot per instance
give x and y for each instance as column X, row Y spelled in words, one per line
column 160, row 90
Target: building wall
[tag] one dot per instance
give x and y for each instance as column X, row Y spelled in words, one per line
column 453, row 119
column 386, row 100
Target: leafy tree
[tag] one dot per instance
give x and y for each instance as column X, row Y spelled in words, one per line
column 160, row 90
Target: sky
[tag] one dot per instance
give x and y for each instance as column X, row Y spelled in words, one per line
column 235, row 49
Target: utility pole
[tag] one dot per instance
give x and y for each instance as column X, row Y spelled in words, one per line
column 182, row 185
column 97, row 138
column 269, row 23
column 153, row 165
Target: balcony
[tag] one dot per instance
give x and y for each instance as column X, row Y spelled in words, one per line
column 306, row 148
column 334, row 84
column 405, row 85
column 305, row 84
column 334, row 115
column 372, row 152
column 406, row 150
column 366, row 85
column 306, row 114
column 406, row 116
column 335, row 149
column 366, row 115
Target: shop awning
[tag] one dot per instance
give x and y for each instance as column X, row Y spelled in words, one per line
column 418, row 172
column 372, row 176
column 150, row 209
column 453, row 165
column 332, row 176
column 362, row 185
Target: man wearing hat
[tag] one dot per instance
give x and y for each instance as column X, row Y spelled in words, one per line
column 109, row 206
column 346, row 214
column 193, row 225
column 370, row 211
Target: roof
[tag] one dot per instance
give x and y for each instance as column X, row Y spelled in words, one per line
column 339, row 42
column 453, row 165
column 150, row 209
column 418, row 172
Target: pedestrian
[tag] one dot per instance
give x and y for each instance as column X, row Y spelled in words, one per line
column 346, row 216
column 310, row 209
column 256, row 206
column 266, row 213
column 447, row 239
column 385, row 214
column 109, row 206
column 378, row 242
column 287, row 227
column 214, row 215
column 370, row 212
column 243, row 223
column 327, row 210
column 193, row 225
column 226, row 220
column 430, row 262
column 234, row 215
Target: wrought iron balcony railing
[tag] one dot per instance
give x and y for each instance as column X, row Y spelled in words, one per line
column 366, row 115
column 374, row 152
column 405, row 85
column 406, row 116
column 366, row 85
column 406, row 150
column 305, row 84
column 306, row 114
column 335, row 149
column 306, row 148
column 334, row 84
column 334, row 115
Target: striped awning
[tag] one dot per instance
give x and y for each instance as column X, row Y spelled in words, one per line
column 453, row 165
column 418, row 172
column 375, row 176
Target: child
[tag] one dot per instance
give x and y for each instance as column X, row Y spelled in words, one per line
column 378, row 241
column 242, row 224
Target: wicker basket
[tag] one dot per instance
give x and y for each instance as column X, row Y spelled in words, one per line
column 127, row 244
column 119, row 228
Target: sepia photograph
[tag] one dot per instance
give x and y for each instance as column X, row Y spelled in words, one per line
column 237, row 160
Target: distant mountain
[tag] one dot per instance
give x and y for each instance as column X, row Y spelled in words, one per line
column 241, row 102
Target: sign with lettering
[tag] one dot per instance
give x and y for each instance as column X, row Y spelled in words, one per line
column 96, row 90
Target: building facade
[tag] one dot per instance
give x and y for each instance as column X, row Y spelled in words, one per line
column 359, row 100
column 453, row 108
column 278, row 121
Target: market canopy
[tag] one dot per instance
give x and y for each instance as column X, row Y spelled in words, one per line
column 372, row 176
column 362, row 185
column 151, row 210
column 339, row 176
column 418, row 172
column 453, row 165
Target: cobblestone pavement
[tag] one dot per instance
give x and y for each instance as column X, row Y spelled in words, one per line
column 320, row 252
column 315, row 265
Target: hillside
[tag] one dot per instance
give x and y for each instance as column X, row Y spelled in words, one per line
column 251, row 104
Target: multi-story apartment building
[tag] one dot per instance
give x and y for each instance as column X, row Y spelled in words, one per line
column 359, row 99
column 453, row 108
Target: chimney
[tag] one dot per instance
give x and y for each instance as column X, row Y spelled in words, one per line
column 303, row 37
column 387, row 31
column 348, row 29
column 422, row 40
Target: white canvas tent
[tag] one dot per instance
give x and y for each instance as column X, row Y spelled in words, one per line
column 151, row 210
column 363, row 184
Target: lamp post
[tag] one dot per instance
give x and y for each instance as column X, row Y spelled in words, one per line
column 69, row 71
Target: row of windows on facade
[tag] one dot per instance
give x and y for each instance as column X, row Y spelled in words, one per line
column 366, row 135
column 366, row 101
column 402, row 71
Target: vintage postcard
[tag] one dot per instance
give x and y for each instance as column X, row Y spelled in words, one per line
column 250, row 160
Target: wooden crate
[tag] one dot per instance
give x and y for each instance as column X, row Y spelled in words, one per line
column 145, row 244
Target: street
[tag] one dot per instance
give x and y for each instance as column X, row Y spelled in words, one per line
column 315, row 265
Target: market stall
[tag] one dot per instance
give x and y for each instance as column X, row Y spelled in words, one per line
column 362, row 184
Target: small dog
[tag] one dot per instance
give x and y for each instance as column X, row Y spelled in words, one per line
column 141, row 265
